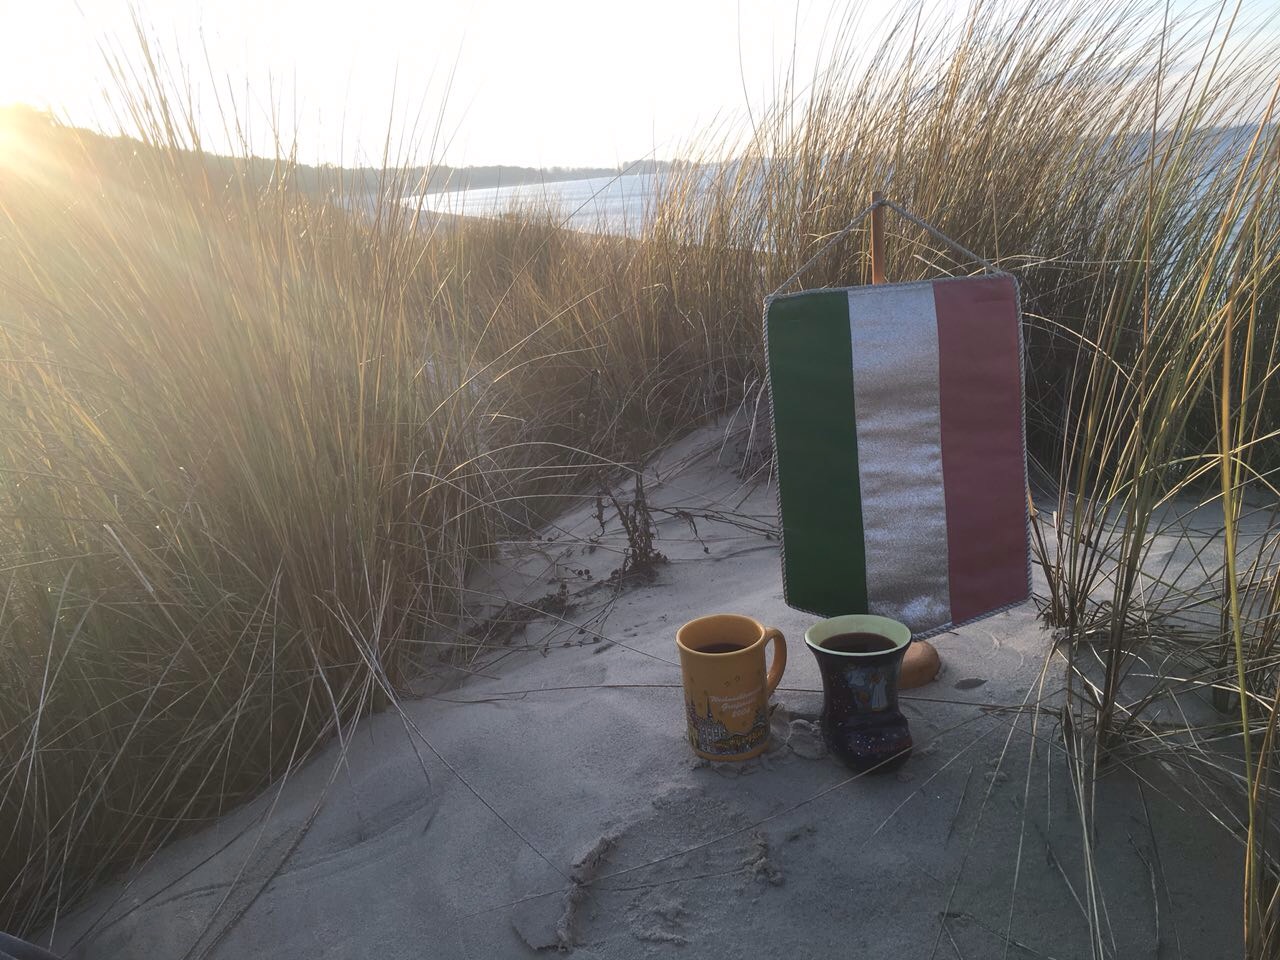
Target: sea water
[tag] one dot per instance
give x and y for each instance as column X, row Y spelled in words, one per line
column 624, row 204
column 619, row 205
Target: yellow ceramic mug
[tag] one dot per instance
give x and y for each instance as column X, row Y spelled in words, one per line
column 726, row 690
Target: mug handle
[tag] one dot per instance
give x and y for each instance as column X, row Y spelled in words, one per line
column 779, row 658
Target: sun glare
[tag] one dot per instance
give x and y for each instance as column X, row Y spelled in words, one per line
column 17, row 127
column 9, row 139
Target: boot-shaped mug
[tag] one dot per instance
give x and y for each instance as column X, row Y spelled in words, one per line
column 860, row 657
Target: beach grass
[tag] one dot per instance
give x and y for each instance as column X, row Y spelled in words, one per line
column 254, row 437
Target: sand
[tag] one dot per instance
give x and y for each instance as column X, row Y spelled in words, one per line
column 545, row 799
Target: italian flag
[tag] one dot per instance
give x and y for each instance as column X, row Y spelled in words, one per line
column 900, row 454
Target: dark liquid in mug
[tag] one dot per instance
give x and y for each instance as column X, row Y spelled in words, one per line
column 858, row 643
column 723, row 647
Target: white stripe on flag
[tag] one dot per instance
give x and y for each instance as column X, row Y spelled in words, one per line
column 894, row 334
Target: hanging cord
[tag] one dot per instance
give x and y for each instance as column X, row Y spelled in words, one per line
column 825, row 247
column 840, row 235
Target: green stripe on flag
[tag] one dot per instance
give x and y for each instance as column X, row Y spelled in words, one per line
column 811, row 375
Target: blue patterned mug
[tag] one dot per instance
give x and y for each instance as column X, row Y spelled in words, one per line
column 860, row 657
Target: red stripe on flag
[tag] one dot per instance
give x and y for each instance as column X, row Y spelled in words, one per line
column 983, row 461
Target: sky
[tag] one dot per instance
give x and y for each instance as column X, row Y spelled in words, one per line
column 533, row 82
column 557, row 82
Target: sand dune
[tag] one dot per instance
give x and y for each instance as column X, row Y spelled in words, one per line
column 547, row 799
